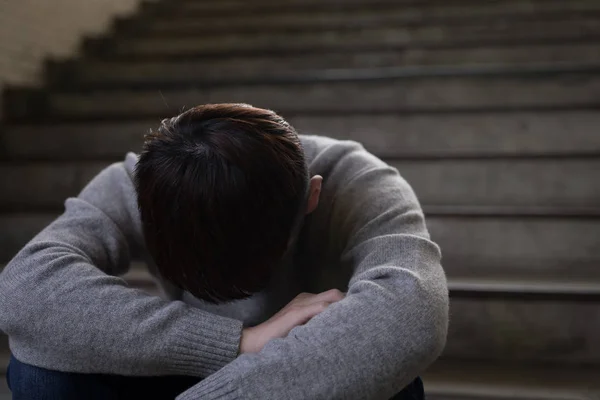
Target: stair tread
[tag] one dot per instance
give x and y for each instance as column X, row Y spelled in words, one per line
column 474, row 135
column 511, row 381
column 470, row 8
column 568, row 50
column 172, row 48
column 562, row 287
column 513, row 56
column 397, row 17
column 534, row 71
column 498, row 71
column 336, row 93
column 531, row 188
column 378, row 39
column 52, row 118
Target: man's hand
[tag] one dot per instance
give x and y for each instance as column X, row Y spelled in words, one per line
column 298, row 312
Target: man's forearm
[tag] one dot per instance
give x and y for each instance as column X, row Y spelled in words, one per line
column 387, row 330
column 64, row 311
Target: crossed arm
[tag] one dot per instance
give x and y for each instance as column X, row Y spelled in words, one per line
column 390, row 326
column 62, row 308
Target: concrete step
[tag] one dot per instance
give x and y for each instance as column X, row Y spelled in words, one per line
column 496, row 186
column 367, row 16
column 379, row 37
column 461, row 135
column 522, row 290
column 130, row 71
column 516, row 247
column 417, row 9
column 487, row 247
column 460, row 380
column 544, row 331
column 511, row 184
column 266, row 6
column 263, row 6
column 371, row 90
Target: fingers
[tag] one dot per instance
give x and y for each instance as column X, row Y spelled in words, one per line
column 299, row 311
column 330, row 296
column 303, row 299
column 307, row 305
column 303, row 296
column 301, row 314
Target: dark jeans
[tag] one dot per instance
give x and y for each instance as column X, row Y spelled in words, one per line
column 32, row 383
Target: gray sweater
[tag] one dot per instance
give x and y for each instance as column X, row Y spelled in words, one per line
column 65, row 308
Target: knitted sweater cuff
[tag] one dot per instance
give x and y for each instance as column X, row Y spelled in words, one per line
column 203, row 343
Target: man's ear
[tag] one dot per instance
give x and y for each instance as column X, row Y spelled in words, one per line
column 314, row 193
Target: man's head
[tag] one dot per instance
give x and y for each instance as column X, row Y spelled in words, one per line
column 222, row 189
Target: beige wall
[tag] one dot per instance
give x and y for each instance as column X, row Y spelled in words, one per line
column 32, row 30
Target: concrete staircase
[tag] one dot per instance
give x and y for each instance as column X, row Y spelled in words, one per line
column 488, row 107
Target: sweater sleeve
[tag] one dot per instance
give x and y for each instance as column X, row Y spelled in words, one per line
column 64, row 310
column 392, row 323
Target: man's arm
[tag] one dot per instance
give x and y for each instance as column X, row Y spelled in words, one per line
column 392, row 323
column 64, row 311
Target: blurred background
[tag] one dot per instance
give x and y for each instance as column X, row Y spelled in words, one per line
column 489, row 108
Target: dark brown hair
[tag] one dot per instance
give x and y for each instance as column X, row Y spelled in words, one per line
column 220, row 190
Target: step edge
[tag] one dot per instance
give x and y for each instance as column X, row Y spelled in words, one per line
column 292, row 112
column 197, row 57
column 346, row 75
column 502, row 392
column 573, row 287
column 187, row 8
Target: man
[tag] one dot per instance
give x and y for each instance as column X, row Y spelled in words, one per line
column 236, row 216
